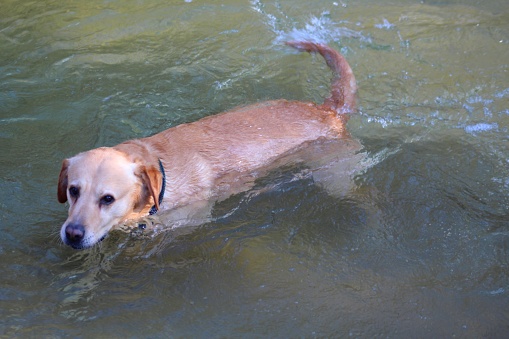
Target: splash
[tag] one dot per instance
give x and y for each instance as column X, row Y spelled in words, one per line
column 385, row 25
column 502, row 94
column 321, row 29
column 481, row 127
column 317, row 29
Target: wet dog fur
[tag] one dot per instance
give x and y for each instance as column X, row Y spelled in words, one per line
column 192, row 165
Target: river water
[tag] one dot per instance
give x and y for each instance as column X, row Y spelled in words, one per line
column 418, row 248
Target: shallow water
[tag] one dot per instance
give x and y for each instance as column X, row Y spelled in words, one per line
column 420, row 246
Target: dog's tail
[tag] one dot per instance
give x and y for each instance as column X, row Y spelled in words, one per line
column 343, row 85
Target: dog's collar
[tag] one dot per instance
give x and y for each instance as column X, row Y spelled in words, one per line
column 153, row 210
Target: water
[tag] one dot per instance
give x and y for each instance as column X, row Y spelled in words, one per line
column 419, row 248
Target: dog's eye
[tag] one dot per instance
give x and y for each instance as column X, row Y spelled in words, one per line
column 107, row 200
column 74, row 191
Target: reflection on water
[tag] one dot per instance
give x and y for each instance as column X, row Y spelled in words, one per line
column 418, row 247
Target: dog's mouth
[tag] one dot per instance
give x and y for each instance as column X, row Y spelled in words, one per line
column 82, row 246
column 83, row 243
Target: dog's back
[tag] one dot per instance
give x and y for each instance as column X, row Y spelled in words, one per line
column 246, row 138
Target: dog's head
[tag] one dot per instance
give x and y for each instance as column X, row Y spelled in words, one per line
column 104, row 187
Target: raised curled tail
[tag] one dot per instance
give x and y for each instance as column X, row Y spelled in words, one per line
column 343, row 85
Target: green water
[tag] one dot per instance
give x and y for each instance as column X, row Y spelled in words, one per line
column 420, row 247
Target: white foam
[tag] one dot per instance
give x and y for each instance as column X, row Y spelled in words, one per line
column 385, row 25
column 502, row 94
column 481, row 127
column 317, row 29
column 321, row 29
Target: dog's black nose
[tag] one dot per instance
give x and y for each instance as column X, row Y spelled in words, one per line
column 74, row 233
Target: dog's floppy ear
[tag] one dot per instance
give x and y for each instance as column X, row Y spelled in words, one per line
column 62, row 182
column 152, row 180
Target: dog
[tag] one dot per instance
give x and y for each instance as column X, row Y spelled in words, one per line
column 190, row 166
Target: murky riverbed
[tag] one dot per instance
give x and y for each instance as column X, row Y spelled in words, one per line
column 418, row 248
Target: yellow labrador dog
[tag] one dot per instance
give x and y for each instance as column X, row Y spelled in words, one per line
column 193, row 164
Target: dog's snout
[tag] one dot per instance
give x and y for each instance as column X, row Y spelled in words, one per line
column 74, row 233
